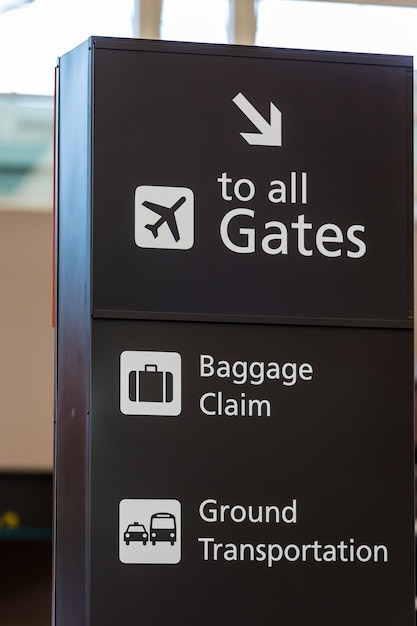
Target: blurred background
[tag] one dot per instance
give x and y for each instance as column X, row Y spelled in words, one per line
column 33, row 33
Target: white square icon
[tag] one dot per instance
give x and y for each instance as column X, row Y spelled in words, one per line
column 150, row 383
column 150, row 531
column 164, row 217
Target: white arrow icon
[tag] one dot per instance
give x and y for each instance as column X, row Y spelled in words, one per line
column 270, row 133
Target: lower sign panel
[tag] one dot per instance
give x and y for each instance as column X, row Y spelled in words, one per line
column 251, row 474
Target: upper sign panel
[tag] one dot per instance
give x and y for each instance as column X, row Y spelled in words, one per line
column 251, row 182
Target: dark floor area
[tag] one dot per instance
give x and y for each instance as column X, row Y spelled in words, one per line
column 26, row 582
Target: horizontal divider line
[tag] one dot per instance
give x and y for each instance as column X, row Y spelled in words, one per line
column 251, row 319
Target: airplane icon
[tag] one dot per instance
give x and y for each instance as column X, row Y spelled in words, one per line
column 164, row 217
column 167, row 216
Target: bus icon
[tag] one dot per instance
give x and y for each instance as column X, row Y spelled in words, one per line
column 163, row 528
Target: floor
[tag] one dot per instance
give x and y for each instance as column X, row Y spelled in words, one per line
column 25, row 583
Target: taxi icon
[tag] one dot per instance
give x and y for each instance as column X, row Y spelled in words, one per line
column 135, row 532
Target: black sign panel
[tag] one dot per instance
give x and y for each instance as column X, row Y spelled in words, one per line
column 282, row 454
column 269, row 185
column 234, row 421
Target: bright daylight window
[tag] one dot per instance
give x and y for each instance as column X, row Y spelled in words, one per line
column 338, row 26
column 195, row 20
column 33, row 36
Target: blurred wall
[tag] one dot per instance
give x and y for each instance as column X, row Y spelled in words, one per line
column 26, row 341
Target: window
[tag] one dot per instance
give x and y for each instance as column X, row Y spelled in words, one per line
column 340, row 26
column 195, row 20
column 32, row 37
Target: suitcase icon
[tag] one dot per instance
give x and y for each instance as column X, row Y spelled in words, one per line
column 150, row 385
column 150, row 382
